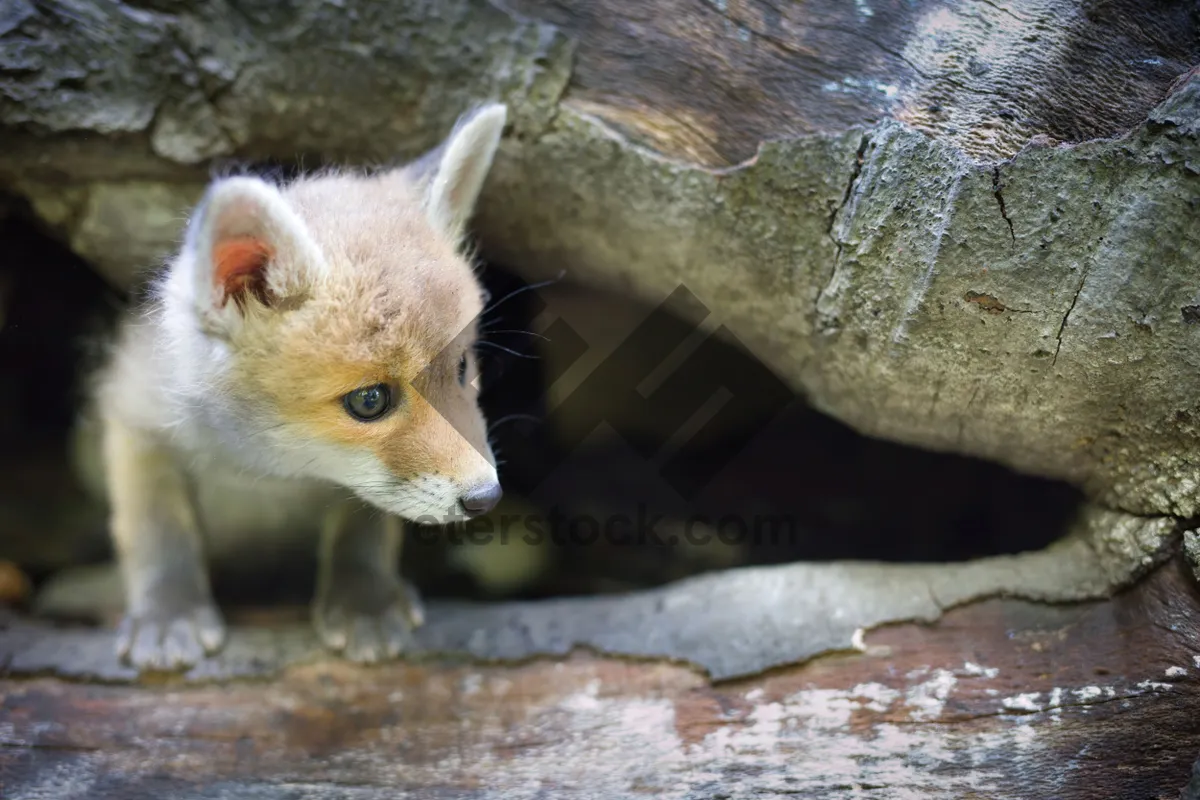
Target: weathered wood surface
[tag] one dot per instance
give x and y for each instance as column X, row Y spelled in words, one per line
column 1001, row 699
column 710, row 81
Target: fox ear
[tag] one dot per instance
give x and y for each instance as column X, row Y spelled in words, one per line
column 248, row 246
column 457, row 169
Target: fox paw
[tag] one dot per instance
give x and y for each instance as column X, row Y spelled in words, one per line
column 160, row 641
column 369, row 618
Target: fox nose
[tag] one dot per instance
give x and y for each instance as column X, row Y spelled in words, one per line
column 482, row 499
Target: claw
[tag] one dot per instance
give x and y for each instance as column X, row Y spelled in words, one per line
column 161, row 642
column 355, row 622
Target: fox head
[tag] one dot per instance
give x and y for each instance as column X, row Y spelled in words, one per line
column 329, row 325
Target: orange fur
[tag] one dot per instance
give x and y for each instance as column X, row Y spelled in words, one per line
column 360, row 280
column 397, row 306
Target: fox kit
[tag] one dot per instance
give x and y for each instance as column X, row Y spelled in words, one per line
column 308, row 349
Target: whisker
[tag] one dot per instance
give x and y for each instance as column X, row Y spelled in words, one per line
column 524, row 333
column 267, row 429
column 526, row 288
column 509, row 350
column 511, row 417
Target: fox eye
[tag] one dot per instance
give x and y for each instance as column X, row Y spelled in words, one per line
column 462, row 370
column 368, row 403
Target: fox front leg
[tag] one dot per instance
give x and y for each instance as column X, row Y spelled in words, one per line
column 170, row 619
column 363, row 608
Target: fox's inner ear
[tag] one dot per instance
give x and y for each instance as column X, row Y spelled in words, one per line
column 248, row 245
column 240, row 269
column 463, row 162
